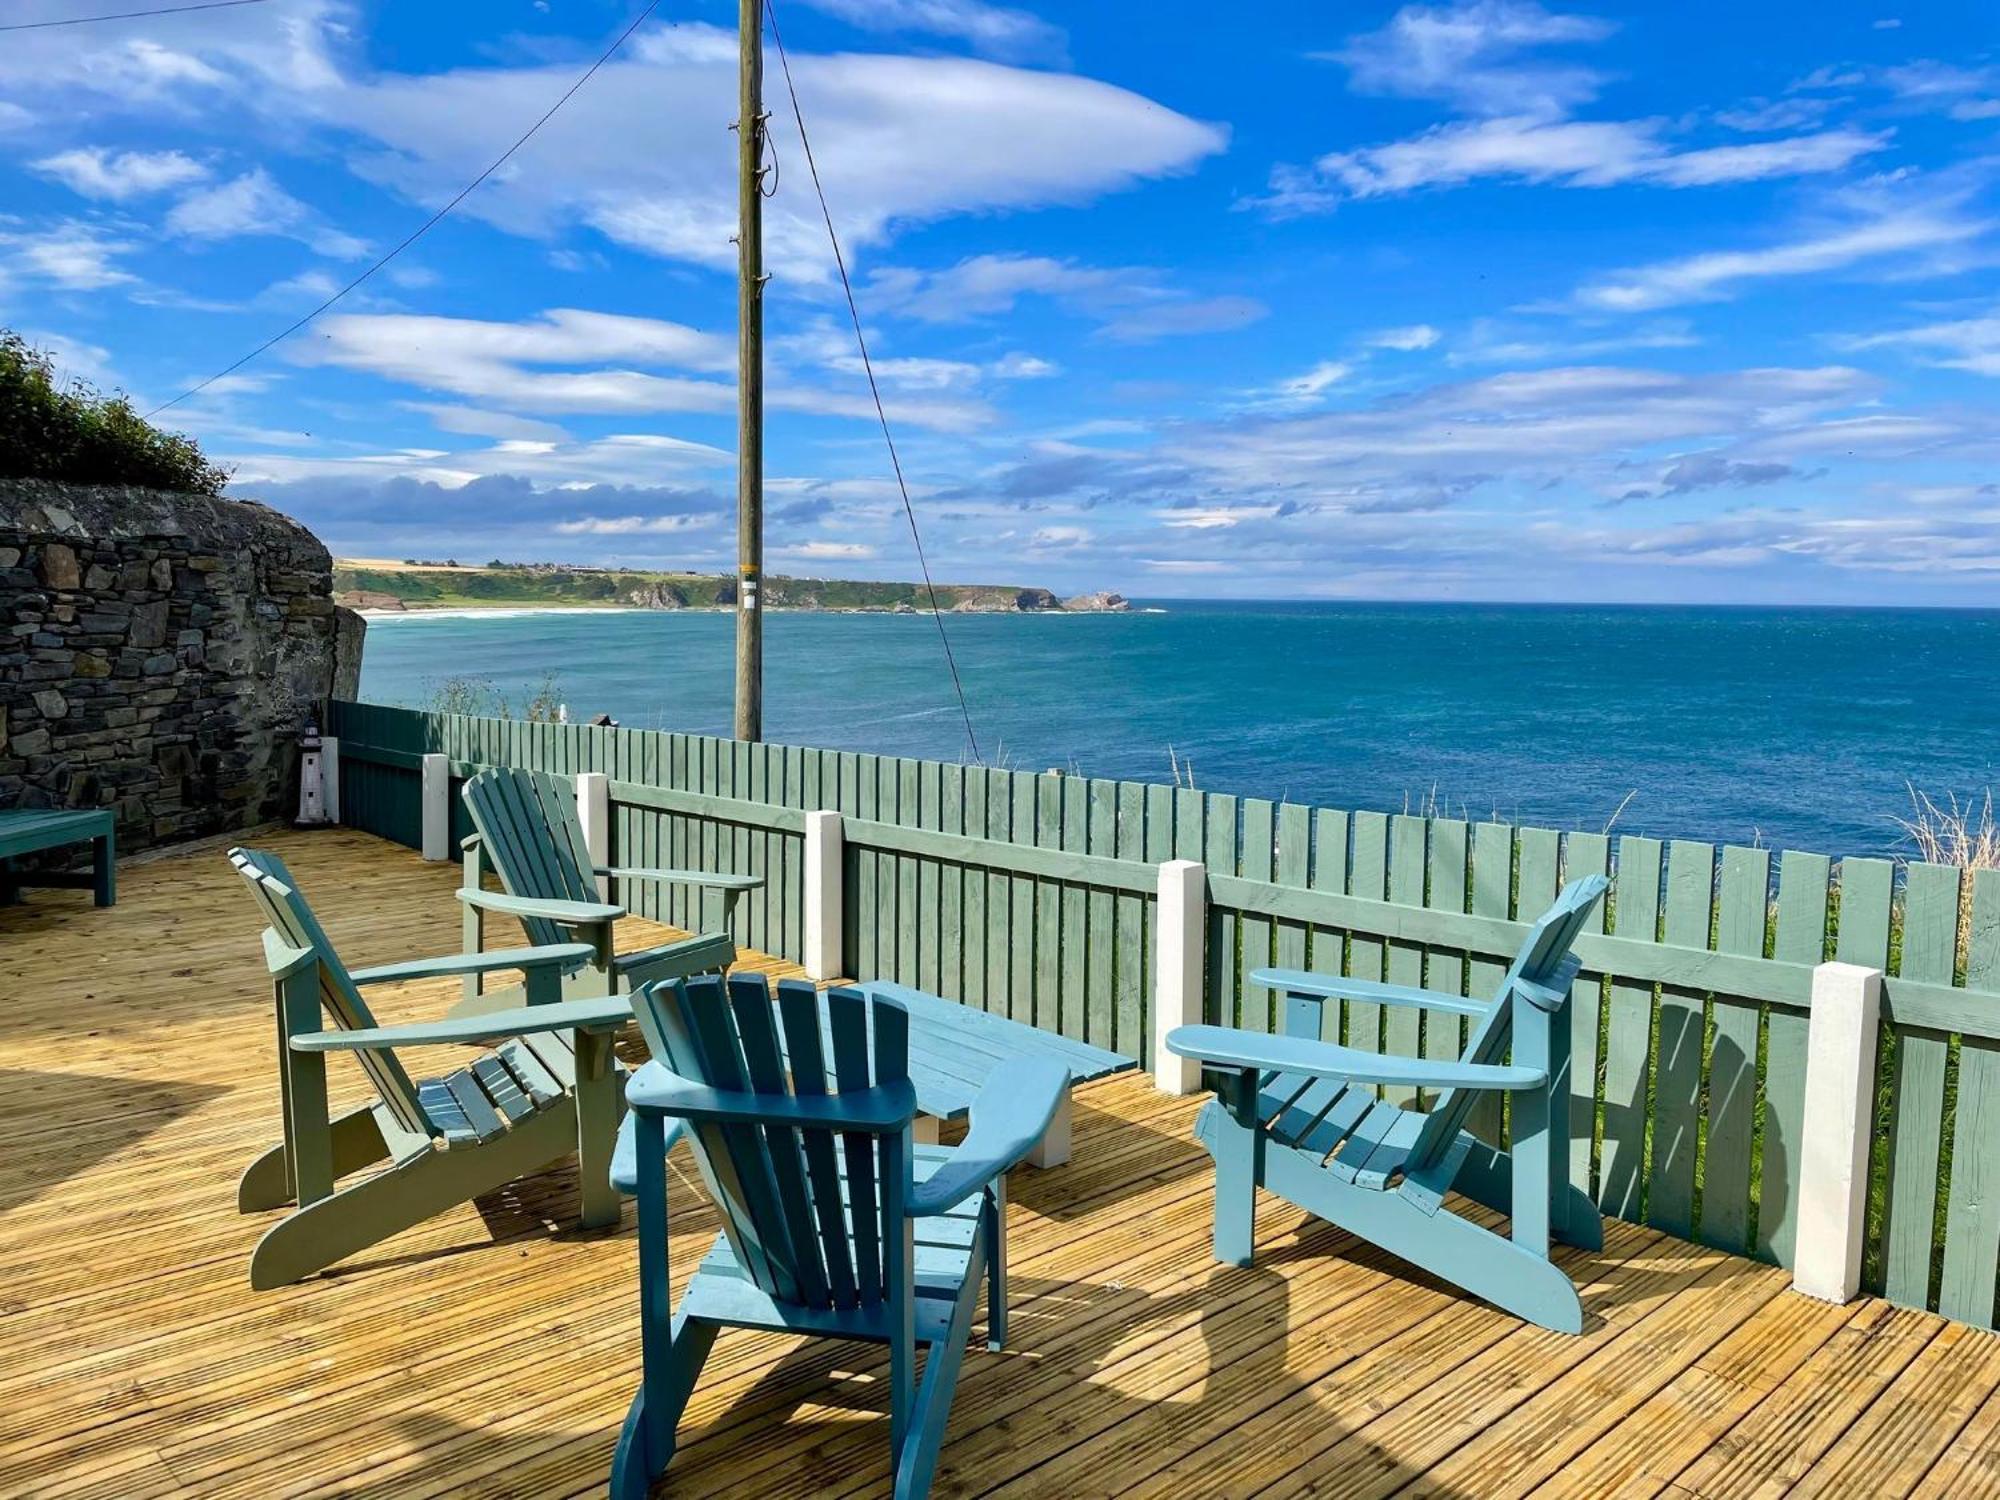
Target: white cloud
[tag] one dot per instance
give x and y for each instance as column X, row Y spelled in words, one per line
column 997, row 30
column 1405, row 340
column 1172, row 319
column 901, row 141
column 1971, row 344
column 474, row 422
column 1134, row 304
column 631, row 525
column 1712, row 275
column 1060, row 538
column 826, row 551
column 1019, row 366
column 1491, row 343
column 254, row 204
column 1299, row 391
column 1567, row 153
column 500, row 364
column 1472, row 55
column 96, row 172
column 72, row 256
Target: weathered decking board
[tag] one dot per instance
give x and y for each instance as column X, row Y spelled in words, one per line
column 492, row 1351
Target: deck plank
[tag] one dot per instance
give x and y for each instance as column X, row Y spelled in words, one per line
column 492, row 1350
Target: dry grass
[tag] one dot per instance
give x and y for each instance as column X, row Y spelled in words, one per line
column 1954, row 832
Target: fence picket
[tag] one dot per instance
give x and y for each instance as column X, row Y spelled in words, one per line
column 1916, row 1120
column 1742, row 901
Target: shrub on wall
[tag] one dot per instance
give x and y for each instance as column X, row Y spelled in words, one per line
column 72, row 433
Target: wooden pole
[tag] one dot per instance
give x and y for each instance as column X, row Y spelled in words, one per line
column 750, row 374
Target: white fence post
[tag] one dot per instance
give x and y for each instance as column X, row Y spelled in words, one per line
column 825, row 903
column 1177, row 973
column 437, row 807
column 1839, row 1119
column 329, row 770
column 593, row 810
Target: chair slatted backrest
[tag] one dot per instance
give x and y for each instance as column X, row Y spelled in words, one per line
column 779, row 1185
column 528, row 824
column 1544, row 960
column 295, row 925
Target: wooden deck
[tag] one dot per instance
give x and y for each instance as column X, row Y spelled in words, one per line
column 492, row 1352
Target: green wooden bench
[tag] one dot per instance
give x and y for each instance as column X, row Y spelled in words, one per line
column 29, row 830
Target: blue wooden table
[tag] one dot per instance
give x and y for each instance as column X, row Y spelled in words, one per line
column 29, row 830
column 953, row 1047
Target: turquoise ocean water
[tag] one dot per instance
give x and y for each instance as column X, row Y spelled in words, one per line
column 1797, row 727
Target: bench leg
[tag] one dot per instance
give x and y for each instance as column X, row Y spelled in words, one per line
column 924, row 1130
column 104, row 865
column 1053, row 1150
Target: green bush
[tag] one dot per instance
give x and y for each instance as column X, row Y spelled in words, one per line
column 74, row 434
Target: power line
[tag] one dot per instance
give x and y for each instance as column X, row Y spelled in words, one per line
column 422, row 229
column 129, row 15
column 874, row 390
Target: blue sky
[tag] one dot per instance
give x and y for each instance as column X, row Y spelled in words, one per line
column 1485, row 301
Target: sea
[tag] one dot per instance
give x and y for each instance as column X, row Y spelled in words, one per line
column 1781, row 727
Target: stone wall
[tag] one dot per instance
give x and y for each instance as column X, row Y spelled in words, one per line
column 162, row 651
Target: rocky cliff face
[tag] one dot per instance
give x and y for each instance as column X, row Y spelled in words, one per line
column 162, row 652
column 1099, row 604
column 657, row 596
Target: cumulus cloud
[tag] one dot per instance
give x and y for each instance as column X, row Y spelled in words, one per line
column 254, row 204
column 1477, row 56
column 901, row 141
column 996, row 30
column 96, row 172
column 1566, row 153
column 1970, row 344
column 1906, row 233
column 72, row 256
column 508, row 365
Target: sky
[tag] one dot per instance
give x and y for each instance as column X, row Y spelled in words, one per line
column 1492, row 300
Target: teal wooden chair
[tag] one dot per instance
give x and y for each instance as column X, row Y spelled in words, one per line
column 527, row 828
column 1300, row 1117
column 834, row 1221
column 549, row 1088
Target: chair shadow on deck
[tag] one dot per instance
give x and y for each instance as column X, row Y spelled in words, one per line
column 95, row 1117
column 1076, row 1402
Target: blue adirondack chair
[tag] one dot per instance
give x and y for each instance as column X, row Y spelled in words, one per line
column 834, row 1222
column 548, row 1087
column 1300, row 1117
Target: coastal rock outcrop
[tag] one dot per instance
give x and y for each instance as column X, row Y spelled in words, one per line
column 657, row 596
column 1102, row 603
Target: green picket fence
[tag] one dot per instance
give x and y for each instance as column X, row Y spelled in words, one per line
column 1032, row 895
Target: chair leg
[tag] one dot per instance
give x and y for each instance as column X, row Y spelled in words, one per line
column 599, row 1102
column 643, row 1453
column 266, row 1182
column 1237, row 1146
column 993, row 1209
column 917, row 1448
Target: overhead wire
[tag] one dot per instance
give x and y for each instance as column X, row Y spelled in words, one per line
column 127, row 15
column 874, row 389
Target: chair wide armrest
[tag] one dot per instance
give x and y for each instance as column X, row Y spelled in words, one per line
column 1334, row 987
column 1254, row 1051
column 570, row 913
column 562, row 955
column 683, row 877
column 605, row 1014
column 1010, row 1115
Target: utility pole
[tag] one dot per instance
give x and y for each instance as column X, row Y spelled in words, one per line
column 750, row 374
